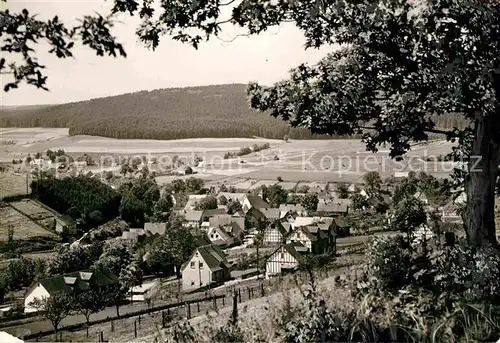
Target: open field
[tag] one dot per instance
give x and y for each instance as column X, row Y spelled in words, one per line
column 23, row 227
column 12, row 184
column 324, row 161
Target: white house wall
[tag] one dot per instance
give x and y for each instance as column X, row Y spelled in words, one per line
column 38, row 292
column 216, row 238
column 302, row 238
column 246, row 205
column 191, row 276
column 272, row 236
column 281, row 258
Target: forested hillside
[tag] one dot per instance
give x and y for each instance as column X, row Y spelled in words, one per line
column 174, row 113
column 211, row 111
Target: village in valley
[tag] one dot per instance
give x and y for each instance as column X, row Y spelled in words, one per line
column 249, row 171
column 187, row 239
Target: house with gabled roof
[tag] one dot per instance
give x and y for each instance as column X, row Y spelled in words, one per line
column 274, row 234
column 226, row 234
column 254, row 201
column 217, row 235
column 297, row 210
column 286, row 258
column 80, row 281
column 420, row 195
column 133, row 234
column 212, row 213
column 192, row 219
column 207, row 265
column 334, row 206
column 312, row 237
column 226, row 219
column 451, row 212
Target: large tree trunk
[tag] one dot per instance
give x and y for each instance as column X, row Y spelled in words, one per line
column 480, row 186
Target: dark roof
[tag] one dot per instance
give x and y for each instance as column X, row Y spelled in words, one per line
column 80, row 280
column 234, row 229
column 226, row 219
column 342, row 222
column 201, row 240
column 257, row 202
column 213, row 256
column 214, row 212
column 290, row 248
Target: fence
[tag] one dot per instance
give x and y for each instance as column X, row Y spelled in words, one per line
column 140, row 323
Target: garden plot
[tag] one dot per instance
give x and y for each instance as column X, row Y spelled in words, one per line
column 23, row 227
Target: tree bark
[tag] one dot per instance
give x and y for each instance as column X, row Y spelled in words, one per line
column 480, row 185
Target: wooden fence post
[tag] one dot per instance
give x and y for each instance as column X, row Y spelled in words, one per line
column 102, row 336
column 198, row 304
column 262, row 289
column 135, row 329
column 162, row 319
column 249, row 296
column 139, row 319
column 188, row 310
column 112, row 326
column 223, row 301
column 239, row 294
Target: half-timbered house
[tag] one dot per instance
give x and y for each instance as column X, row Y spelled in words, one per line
column 285, row 258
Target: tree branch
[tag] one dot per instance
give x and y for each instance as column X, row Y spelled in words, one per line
column 228, row 3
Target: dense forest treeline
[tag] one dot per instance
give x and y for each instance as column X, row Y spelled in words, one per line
column 174, row 113
column 78, row 197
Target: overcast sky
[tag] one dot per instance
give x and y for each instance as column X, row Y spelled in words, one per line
column 266, row 58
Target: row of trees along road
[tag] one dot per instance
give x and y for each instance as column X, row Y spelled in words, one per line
column 399, row 62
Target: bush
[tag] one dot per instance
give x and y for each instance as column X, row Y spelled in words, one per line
column 244, row 151
column 387, row 264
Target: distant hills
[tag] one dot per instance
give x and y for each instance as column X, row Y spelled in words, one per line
column 173, row 113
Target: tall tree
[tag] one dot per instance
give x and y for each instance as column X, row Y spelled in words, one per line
column 131, row 276
column 208, row 203
column 276, row 195
column 343, row 191
column 373, row 182
column 310, row 202
column 409, row 216
column 55, row 308
column 70, row 258
column 88, row 302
